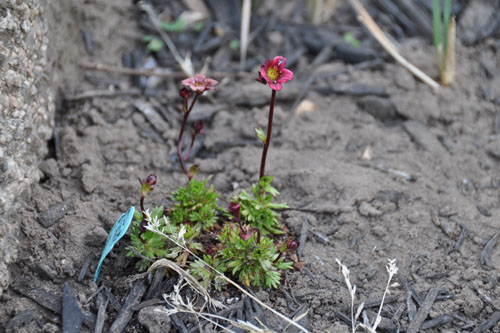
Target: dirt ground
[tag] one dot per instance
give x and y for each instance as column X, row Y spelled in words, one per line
column 380, row 168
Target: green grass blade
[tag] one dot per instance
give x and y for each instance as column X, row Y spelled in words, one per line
column 446, row 23
column 436, row 22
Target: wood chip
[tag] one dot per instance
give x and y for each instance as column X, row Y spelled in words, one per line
column 102, row 303
column 126, row 312
column 303, row 237
column 85, row 267
column 485, row 326
column 33, row 290
column 486, row 253
column 71, row 313
column 444, row 319
column 424, row 310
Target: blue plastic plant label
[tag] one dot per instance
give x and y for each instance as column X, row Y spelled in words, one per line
column 116, row 233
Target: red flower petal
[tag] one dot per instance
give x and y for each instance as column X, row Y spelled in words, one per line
column 286, row 75
column 280, row 62
column 275, row 86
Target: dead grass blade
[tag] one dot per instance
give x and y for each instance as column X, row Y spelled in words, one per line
column 186, row 64
column 448, row 74
column 246, row 12
column 370, row 24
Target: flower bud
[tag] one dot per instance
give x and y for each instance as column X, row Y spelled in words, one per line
column 185, row 93
column 293, row 245
column 211, row 250
column 234, row 210
column 245, row 233
column 198, row 127
column 148, row 184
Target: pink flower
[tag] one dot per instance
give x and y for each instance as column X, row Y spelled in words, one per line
column 199, row 83
column 274, row 73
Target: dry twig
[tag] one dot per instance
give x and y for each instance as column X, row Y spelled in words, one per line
column 370, row 24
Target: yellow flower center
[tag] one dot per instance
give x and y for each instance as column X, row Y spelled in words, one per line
column 272, row 73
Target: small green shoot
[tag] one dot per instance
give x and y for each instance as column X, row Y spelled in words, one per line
column 196, row 203
column 257, row 209
column 176, row 26
column 234, row 44
column 350, row 39
column 260, row 134
column 444, row 39
column 207, row 274
column 154, row 44
column 147, row 244
column 252, row 260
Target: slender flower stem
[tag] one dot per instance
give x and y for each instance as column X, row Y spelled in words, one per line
column 181, row 133
column 257, row 230
column 144, row 223
column 142, row 208
column 190, row 147
column 268, row 137
column 278, row 257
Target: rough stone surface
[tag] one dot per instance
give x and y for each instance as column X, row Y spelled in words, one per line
column 154, row 319
column 31, row 67
column 54, row 214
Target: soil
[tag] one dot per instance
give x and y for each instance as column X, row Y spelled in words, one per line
column 381, row 167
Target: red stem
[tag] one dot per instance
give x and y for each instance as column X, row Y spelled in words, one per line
column 142, row 207
column 257, row 230
column 181, row 133
column 268, row 137
column 142, row 227
column 190, row 147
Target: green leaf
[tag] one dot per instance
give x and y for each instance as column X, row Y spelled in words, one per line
column 234, row 44
column 349, row 38
column 138, row 215
column 155, row 45
column 446, row 23
column 198, row 26
column 157, row 212
column 277, row 205
column 176, row 26
column 147, row 38
column 260, row 134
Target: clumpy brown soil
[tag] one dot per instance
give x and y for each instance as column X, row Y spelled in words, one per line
column 397, row 172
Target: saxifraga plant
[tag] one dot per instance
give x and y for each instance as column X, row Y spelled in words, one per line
column 247, row 246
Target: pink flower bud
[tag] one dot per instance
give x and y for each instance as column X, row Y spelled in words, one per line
column 198, row 127
column 185, row 93
column 234, row 210
column 148, row 184
column 245, row 233
column 293, row 245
